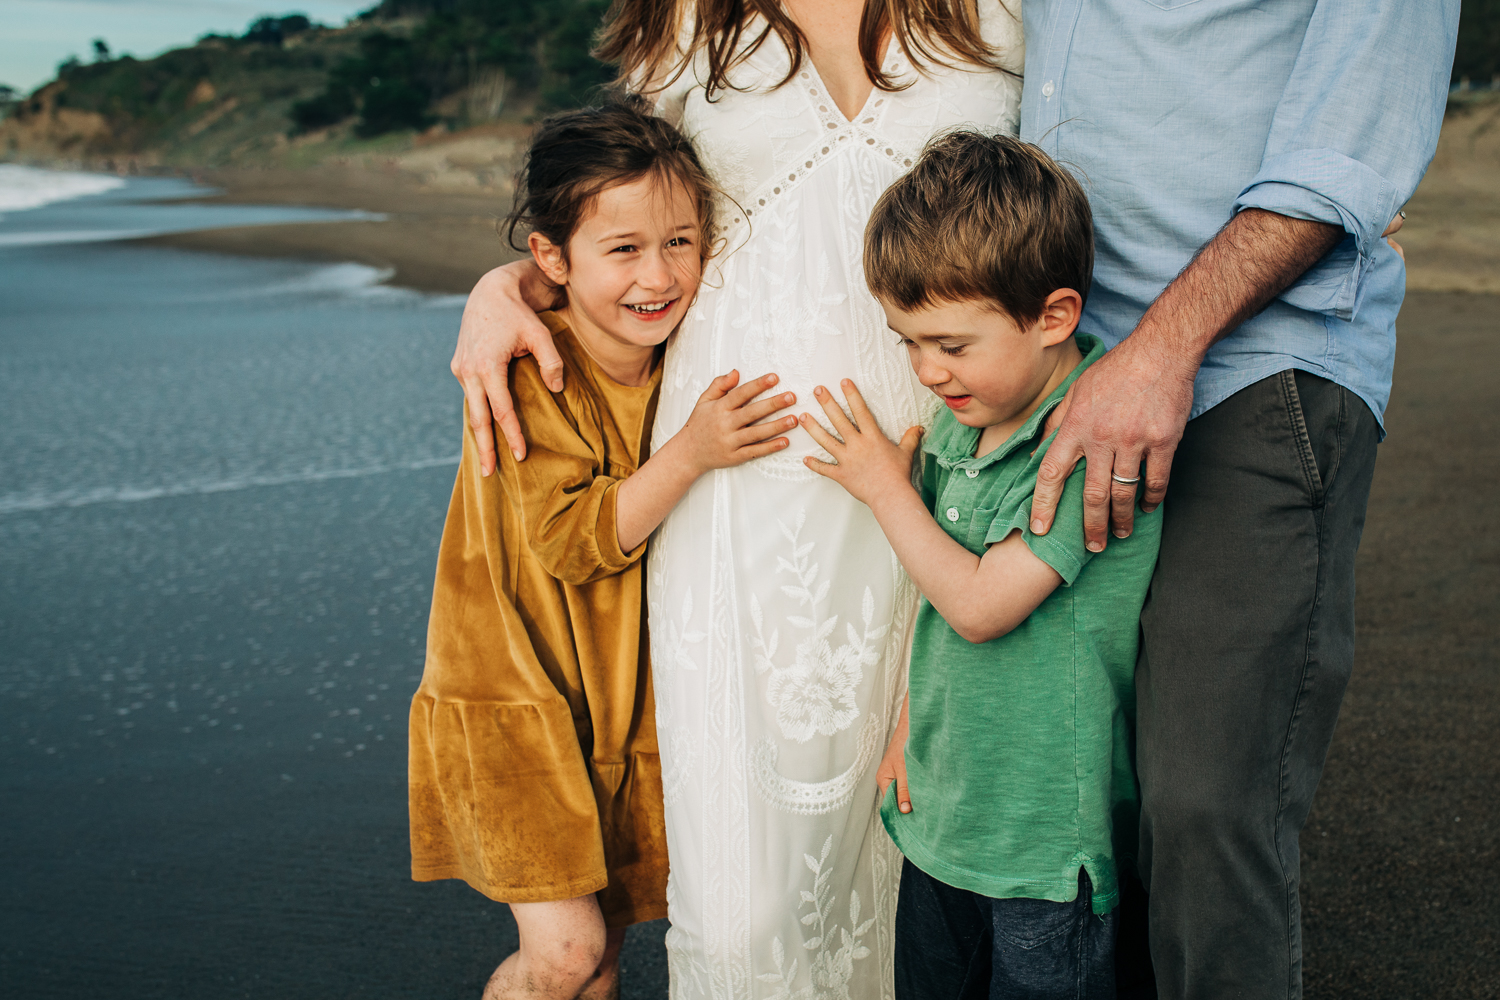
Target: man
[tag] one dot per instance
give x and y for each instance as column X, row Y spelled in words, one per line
column 1243, row 160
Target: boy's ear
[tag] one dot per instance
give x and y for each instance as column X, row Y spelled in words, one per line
column 1060, row 315
column 548, row 257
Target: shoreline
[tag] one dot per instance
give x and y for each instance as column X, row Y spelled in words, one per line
column 432, row 240
column 443, row 200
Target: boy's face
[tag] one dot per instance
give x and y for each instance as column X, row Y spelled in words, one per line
column 987, row 368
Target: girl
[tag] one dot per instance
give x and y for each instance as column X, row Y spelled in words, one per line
column 779, row 616
column 534, row 774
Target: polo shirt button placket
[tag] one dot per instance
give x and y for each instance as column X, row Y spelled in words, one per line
column 972, row 473
column 952, row 513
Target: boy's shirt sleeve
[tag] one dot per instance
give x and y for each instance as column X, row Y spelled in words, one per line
column 1063, row 547
column 563, row 491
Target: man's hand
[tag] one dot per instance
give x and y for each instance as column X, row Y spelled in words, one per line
column 499, row 325
column 1131, row 406
column 869, row 463
column 893, row 764
column 1126, row 411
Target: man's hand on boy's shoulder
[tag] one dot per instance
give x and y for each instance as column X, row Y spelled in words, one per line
column 1125, row 415
column 869, row 464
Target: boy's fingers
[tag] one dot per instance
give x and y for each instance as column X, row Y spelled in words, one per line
column 751, row 389
column 862, row 415
column 836, row 415
column 765, row 407
column 821, row 468
column 830, row 444
column 903, row 796
column 910, row 440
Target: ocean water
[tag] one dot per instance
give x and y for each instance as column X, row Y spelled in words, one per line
column 222, row 485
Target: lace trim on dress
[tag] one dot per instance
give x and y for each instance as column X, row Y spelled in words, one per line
column 834, row 131
column 813, row 798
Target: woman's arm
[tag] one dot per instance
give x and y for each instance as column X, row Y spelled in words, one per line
column 499, row 325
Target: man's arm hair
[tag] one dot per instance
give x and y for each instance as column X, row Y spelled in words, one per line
column 1253, row 259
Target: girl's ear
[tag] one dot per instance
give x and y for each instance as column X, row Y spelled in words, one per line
column 1060, row 315
column 549, row 258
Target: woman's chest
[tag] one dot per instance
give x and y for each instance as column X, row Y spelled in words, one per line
column 763, row 140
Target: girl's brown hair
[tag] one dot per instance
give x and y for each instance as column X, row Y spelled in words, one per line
column 642, row 36
column 576, row 155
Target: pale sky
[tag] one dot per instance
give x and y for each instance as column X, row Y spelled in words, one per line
column 36, row 35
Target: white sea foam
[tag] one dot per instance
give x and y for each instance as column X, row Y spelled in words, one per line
column 46, row 239
column 357, row 281
column 17, row 503
column 28, row 187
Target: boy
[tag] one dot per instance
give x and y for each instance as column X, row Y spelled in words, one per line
column 1008, row 784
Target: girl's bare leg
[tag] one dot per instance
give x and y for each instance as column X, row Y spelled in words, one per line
column 565, row 954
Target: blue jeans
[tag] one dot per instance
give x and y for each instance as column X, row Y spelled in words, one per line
column 952, row 944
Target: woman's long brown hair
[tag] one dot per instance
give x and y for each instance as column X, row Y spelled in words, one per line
column 641, row 37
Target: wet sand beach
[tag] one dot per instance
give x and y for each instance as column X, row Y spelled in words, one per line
column 222, row 482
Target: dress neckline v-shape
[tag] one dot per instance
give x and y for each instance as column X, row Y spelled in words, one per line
column 886, row 59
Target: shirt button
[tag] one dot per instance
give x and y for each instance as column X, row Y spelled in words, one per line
column 972, row 473
column 1047, row 89
column 953, row 513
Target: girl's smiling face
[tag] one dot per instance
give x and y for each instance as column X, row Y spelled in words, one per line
column 632, row 266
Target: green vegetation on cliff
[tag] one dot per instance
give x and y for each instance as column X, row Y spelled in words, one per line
column 402, row 65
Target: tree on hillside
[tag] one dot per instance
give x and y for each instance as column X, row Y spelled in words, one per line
column 538, row 45
column 101, row 50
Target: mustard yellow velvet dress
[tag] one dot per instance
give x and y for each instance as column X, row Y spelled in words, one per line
column 534, row 773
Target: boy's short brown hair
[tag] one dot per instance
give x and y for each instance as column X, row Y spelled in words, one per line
column 981, row 217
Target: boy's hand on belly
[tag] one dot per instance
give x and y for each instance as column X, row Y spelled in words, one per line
column 870, row 465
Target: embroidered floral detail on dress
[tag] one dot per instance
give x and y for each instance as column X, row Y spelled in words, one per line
column 832, row 968
column 813, row 798
column 814, row 695
column 680, row 636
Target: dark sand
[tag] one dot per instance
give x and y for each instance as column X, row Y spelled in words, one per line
column 1404, row 835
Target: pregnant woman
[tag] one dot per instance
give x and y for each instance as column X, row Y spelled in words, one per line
column 779, row 616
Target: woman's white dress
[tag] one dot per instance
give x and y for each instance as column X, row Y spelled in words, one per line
column 779, row 617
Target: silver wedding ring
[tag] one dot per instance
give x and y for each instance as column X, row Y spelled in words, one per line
column 1122, row 479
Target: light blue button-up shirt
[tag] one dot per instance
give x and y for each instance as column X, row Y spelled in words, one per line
column 1176, row 114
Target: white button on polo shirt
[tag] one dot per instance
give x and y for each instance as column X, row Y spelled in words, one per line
column 953, row 513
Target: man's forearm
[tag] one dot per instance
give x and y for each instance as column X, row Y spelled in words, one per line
column 1253, row 259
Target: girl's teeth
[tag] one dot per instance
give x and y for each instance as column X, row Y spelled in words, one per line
column 650, row 309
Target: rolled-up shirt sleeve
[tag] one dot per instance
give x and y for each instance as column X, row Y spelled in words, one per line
column 1354, row 131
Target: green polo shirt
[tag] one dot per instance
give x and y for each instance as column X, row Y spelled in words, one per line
column 1019, row 760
